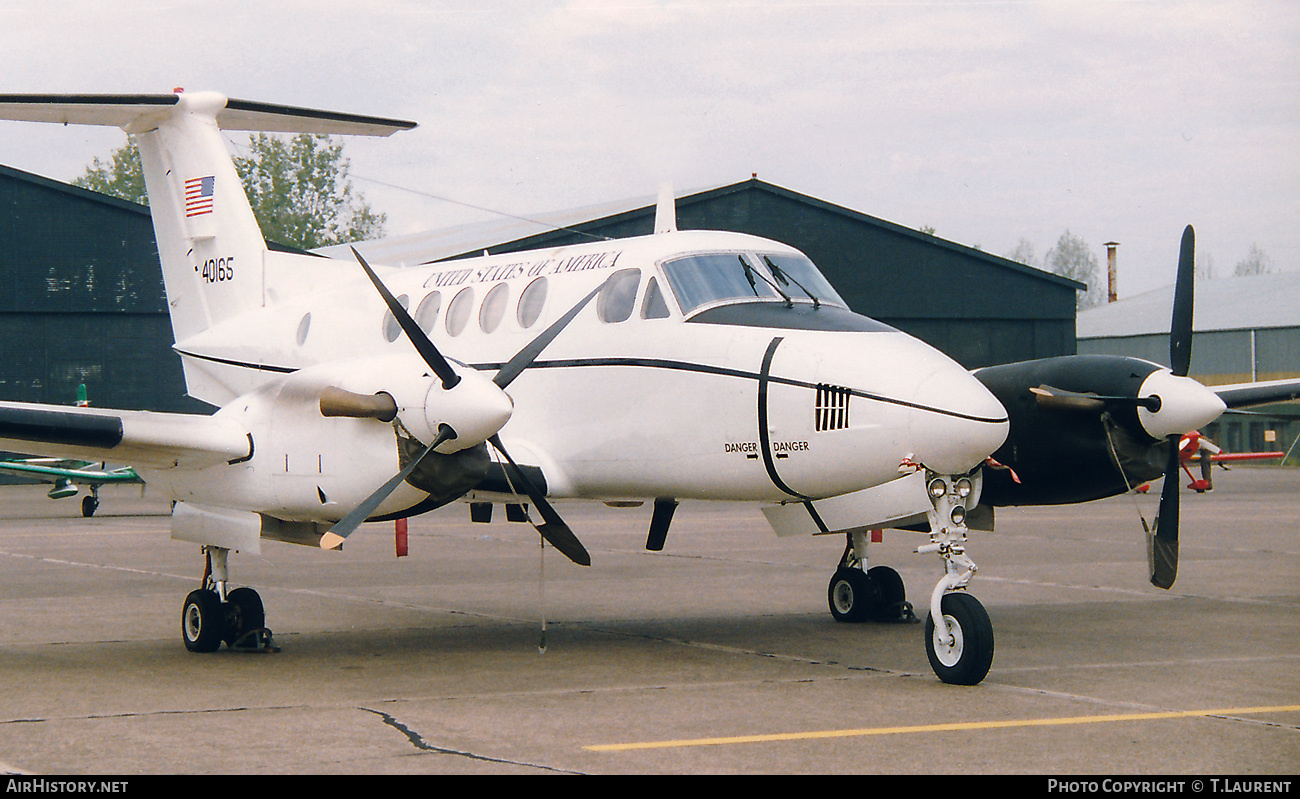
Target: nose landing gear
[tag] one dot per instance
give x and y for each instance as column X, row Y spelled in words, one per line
column 958, row 632
column 212, row 615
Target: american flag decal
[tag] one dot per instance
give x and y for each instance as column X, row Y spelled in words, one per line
column 198, row 196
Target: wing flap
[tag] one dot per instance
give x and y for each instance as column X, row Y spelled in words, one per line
column 140, row 438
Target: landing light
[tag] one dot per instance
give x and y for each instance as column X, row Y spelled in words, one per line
column 938, row 488
column 964, row 487
column 958, row 516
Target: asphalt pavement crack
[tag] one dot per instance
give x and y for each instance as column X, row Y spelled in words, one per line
column 418, row 742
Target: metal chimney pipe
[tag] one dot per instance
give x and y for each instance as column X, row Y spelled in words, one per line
column 1112, row 294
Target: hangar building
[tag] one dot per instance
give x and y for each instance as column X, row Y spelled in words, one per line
column 84, row 301
column 1244, row 329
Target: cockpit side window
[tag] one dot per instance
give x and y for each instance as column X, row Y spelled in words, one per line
column 700, row 279
column 654, row 306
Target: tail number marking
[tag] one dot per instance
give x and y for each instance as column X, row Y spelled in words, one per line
column 218, row 270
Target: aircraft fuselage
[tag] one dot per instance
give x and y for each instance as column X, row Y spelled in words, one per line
column 658, row 389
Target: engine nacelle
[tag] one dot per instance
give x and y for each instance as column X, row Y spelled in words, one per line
column 404, row 389
column 1085, row 427
column 1059, row 454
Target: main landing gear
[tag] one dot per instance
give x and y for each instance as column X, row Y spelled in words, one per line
column 212, row 614
column 958, row 632
column 858, row 594
column 90, row 502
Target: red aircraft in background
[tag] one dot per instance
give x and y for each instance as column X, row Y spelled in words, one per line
column 1196, row 448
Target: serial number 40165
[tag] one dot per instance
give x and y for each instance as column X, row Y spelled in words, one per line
column 218, row 270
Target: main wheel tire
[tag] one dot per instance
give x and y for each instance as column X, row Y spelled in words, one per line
column 965, row 658
column 851, row 595
column 88, row 506
column 890, row 595
column 243, row 614
column 203, row 621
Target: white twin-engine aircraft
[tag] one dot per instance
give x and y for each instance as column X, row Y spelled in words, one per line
column 682, row 365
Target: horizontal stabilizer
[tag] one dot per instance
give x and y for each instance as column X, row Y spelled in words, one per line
column 140, row 438
column 140, row 112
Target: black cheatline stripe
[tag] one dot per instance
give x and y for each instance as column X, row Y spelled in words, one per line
column 686, row 366
column 764, row 439
column 260, row 367
column 816, row 517
column 651, row 363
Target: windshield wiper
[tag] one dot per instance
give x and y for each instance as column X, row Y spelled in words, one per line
column 780, row 274
column 749, row 275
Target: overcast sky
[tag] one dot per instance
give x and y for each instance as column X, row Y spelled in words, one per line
column 991, row 121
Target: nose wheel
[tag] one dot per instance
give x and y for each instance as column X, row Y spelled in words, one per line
column 960, row 649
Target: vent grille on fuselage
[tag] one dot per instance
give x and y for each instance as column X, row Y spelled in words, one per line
column 832, row 409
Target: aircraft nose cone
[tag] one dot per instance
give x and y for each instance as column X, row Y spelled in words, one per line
column 1184, row 404
column 956, row 422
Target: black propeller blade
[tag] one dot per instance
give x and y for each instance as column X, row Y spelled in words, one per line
column 1180, row 328
column 344, row 527
column 553, row 528
column 525, row 357
column 423, row 345
column 1162, row 544
column 1052, row 398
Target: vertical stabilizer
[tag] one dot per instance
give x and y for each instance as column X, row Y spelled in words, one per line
column 208, row 239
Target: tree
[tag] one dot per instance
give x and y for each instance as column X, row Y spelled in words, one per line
column 299, row 189
column 1071, row 258
column 1256, row 262
column 121, row 177
column 301, row 194
column 1023, row 253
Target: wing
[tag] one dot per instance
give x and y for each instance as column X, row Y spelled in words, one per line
column 141, row 438
column 1230, row 457
column 1245, row 395
column 52, row 471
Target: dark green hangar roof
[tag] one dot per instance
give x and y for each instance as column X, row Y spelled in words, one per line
column 979, row 308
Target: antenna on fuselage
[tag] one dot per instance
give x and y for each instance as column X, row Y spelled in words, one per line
column 666, row 210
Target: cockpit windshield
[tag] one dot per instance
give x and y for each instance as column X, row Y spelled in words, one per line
column 699, row 280
column 798, row 277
